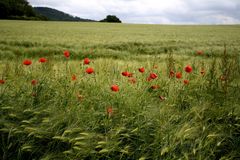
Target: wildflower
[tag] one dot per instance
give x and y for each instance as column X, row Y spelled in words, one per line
column 188, row 69
column 153, row 75
column 42, row 60
column 149, row 79
column 141, row 69
column 66, row 54
column 34, row 82
column 27, row 62
column 171, row 74
column 155, row 87
column 115, row 88
column 130, row 74
column 110, row 111
column 89, row 70
column 132, row 80
column 199, row 52
column 186, row 81
column 202, row 72
column 74, row 77
column 2, row 81
column 127, row 74
column 178, row 75
column 86, row 61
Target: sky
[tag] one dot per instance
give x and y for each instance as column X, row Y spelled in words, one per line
column 151, row 11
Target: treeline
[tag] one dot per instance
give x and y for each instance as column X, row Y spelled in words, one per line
column 22, row 10
column 18, row 9
column 111, row 19
column 56, row 15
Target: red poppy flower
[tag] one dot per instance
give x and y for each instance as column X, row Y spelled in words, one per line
column 66, row 54
column 109, row 111
column 115, row 88
column 141, row 70
column 188, row 69
column 27, row 62
column 153, row 75
column 178, row 75
column 130, row 74
column 89, row 70
column 125, row 73
column 132, row 80
column 171, row 74
column 34, row 82
column 149, row 79
column 155, row 87
column 2, row 81
column 199, row 52
column 186, row 81
column 74, row 77
column 86, row 61
column 42, row 60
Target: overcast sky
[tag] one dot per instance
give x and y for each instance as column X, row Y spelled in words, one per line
column 151, row 11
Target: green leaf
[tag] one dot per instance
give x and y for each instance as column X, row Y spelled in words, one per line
column 85, row 134
column 4, row 130
column 102, row 142
column 26, row 121
column 26, row 148
column 7, row 108
column 135, row 130
column 104, row 151
column 164, row 151
column 45, row 120
column 80, row 143
column 64, row 139
column 142, row 158
column 68, row 152
column 77, row 148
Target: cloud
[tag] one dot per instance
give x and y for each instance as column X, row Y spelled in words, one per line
column 152, row 11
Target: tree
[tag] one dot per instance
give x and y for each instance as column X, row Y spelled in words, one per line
column 4, row 10
column 111, row 19
column 13, row 8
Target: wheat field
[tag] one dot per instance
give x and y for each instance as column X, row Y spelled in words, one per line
column 73, row 90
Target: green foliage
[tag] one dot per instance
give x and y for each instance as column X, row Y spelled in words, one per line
column 63, row 119
column 12, row 8
column 55, row 15
column 22, row 10
column 111, row 19
column 4, row 9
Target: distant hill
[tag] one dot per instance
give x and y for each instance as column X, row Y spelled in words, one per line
column 56, row 15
